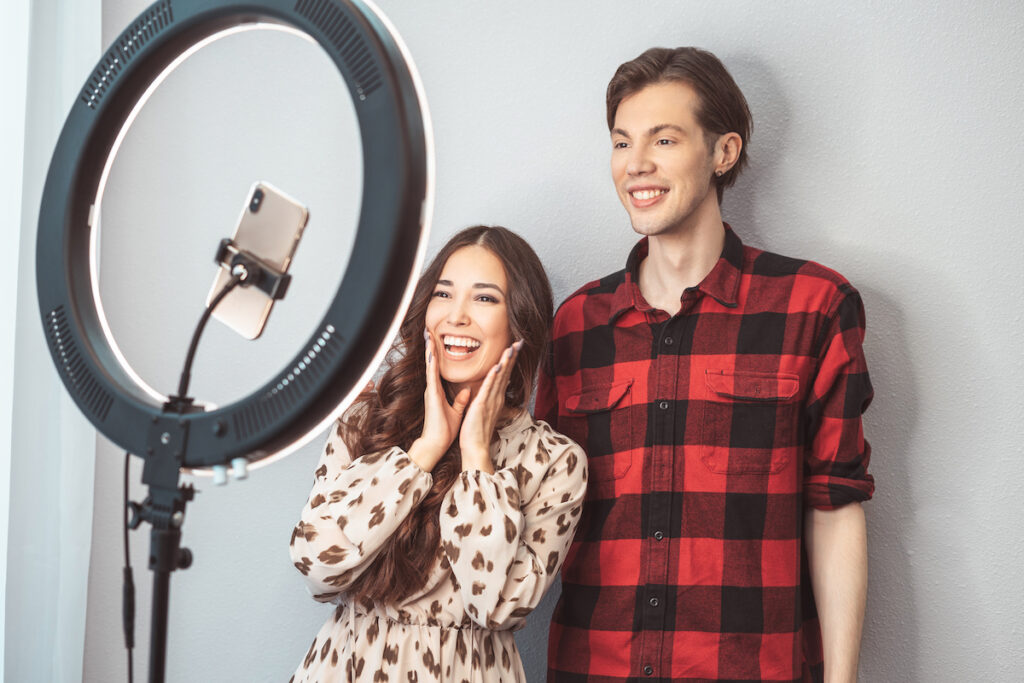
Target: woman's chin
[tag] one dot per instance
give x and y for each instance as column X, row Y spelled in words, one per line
column 461, row 380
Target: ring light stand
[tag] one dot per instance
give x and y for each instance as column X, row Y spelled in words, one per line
column 334, row 363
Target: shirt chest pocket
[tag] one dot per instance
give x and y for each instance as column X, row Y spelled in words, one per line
column 750, row 421
column 599, row 417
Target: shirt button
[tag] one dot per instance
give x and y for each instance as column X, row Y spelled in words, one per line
column 658, row 535
column 653, row 602
column 648, row 670
column 663, row 405
column 668, row 341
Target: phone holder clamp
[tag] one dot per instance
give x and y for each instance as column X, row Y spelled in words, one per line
column 255, row 272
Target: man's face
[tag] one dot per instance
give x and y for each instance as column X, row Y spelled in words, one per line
column 661, row 164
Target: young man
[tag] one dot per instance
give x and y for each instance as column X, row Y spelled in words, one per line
column 718, row 391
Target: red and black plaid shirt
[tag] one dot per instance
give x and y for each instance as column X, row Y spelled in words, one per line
column 707, row 434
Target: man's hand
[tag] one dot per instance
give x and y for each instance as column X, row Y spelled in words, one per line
column 837, row 552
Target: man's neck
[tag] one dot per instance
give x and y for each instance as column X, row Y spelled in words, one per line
column 681, row 259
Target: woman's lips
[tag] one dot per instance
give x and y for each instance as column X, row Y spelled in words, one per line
column 458, row 347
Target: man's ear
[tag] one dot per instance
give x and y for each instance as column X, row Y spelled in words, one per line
column 727, row 152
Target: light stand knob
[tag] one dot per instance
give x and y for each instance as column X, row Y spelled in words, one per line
column 240, row 468
column 220, row 475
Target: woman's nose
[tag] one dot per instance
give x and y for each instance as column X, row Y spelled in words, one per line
column 457, row 313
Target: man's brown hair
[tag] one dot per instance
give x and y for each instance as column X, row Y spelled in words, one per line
column 722, row 109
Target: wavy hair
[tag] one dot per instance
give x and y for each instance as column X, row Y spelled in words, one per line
column 391, row 414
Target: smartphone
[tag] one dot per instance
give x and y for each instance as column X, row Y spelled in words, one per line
column 269, row 228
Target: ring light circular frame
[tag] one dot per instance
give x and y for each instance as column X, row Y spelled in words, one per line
column 354, row 334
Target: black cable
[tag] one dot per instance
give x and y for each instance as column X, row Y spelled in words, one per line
column 186, row 373
column 128, row 585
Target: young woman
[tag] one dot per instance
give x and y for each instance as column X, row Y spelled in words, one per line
column 441, row 511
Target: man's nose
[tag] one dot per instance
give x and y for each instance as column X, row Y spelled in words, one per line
column 639, row 162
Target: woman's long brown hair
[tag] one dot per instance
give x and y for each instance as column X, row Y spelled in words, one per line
column 392, row 413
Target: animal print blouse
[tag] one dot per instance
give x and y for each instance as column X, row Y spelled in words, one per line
column 504, row 537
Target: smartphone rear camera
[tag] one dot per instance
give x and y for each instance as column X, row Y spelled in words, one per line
column 257, row 200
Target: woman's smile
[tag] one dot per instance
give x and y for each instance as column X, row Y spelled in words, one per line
column 458, row 347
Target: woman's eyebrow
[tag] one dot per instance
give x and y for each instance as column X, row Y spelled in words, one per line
column 478, row 285
column 488, row 285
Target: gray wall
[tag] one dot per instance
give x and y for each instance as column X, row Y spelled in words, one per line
column 47, row 528
column 885, row 146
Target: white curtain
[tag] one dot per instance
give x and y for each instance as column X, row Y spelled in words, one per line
column 46, row 476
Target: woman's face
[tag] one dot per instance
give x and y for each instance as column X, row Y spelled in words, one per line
column 468, row 316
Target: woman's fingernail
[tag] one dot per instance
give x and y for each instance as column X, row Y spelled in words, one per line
column 426, row 335
column 500, row 366
column 518, row 345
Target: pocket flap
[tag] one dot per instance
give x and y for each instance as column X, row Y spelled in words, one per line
column 597, row 398
column 753, row 386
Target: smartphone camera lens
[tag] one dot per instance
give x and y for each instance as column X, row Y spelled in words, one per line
column 257, row 200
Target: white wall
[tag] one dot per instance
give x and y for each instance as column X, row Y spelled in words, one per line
column 13, row 71
column 885, row 145
column 47, row 526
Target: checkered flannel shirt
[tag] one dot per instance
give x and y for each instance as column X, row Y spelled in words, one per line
column 707, row 434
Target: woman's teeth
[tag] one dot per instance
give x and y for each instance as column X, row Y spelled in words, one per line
column 460, row 346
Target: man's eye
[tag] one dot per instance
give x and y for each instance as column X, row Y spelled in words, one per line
column 619, row 145
column 664, row 141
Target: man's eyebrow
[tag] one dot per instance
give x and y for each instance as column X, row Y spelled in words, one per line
column 478, row 285
column 651, row 131
column 663, row 126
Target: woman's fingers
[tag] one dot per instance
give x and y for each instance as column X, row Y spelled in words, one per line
column 430, row 357
column 508, row 360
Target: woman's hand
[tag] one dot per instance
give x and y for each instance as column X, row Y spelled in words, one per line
column 440, row 419
column 482, row 416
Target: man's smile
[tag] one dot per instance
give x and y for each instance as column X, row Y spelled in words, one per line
column 642, row 197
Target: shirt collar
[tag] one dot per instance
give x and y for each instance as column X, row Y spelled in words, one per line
column 518, row 423
column 722, row 283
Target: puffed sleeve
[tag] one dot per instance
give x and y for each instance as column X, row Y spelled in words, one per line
column 506, row 534
column 354, row 507
column 836, row 461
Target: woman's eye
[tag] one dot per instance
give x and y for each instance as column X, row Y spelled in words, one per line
column 441, row 294
column 487, row 299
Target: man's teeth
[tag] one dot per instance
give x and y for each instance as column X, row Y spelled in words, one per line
column 647, row 194
column 465, row 342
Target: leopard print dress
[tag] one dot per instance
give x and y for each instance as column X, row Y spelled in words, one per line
column 503, row 535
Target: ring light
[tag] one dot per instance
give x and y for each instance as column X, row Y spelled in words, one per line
column 354, row 333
